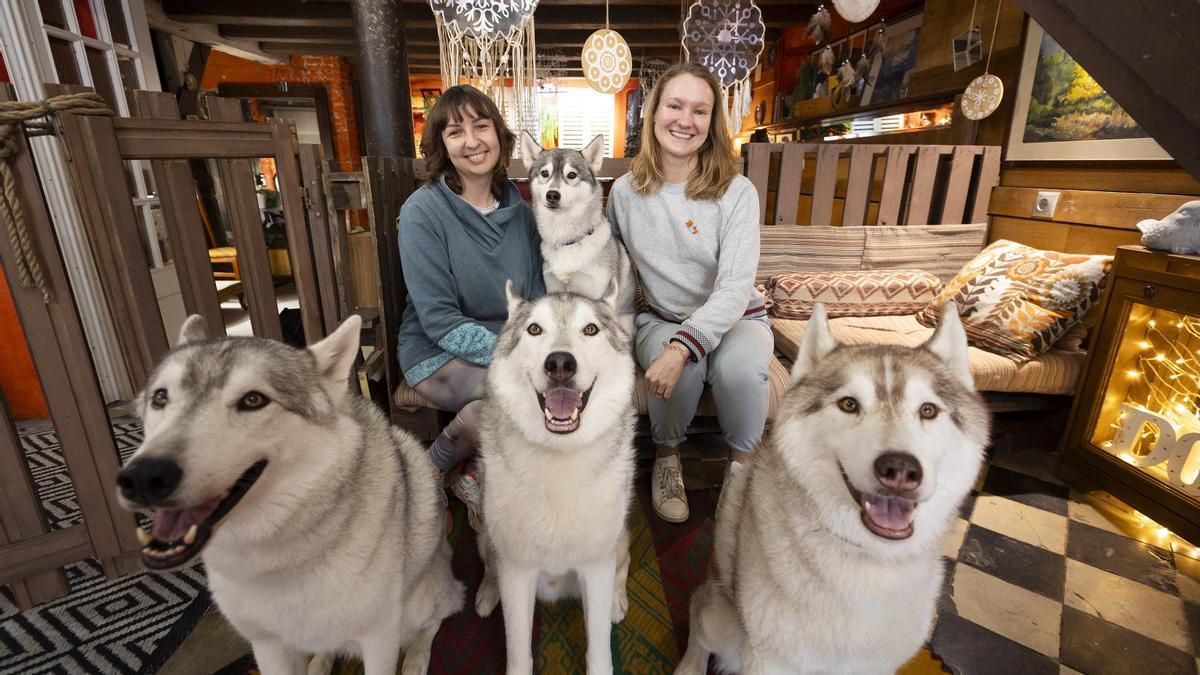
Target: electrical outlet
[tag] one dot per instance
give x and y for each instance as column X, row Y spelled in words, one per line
column 1044, row 205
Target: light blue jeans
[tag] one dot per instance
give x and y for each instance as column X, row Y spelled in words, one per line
column 738, row 371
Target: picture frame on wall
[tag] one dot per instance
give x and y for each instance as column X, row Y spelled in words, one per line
column 1061, row 113
column 887, row 78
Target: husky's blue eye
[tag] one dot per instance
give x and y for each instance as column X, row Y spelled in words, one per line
column 253, row 401
column 159, row 398
column 848, row 404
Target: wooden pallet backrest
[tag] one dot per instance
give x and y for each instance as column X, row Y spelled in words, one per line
column 850, row 185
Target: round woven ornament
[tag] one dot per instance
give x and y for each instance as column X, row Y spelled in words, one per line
column 982, row 96
column 606, row 61
column 855, row 11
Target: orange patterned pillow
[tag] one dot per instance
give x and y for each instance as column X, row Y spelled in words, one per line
column 1016, row 301
column 859, row 293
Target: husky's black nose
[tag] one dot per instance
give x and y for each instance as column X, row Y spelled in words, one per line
column 899, row 471
column 552, row 197
column 149, row 480
column 560, row 366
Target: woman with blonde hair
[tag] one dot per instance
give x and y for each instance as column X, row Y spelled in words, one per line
column 690, row 222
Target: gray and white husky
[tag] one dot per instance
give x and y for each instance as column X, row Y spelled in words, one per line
column 320, row 525
column 579, row 253
column 827, row 551
column 557, row 458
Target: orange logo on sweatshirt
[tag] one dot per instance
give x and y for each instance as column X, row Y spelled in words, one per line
column 692, row 228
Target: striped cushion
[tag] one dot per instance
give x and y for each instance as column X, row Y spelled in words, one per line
column 1053, row 372
column 859, row 293
column 941, row 250
column 795, row 248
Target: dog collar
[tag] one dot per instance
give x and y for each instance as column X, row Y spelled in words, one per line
column 579, row 239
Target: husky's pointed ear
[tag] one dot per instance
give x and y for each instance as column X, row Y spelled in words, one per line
column 514, row 298
column 530, row 149
column 610, row 294
column 949, row 343
column 194, row 329
column 815, row 345
column 594, row 153
column 335, row 354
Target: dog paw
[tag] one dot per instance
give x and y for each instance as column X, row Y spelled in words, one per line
column 486, row 599
column 620, row 605
column 321, row 664
column 415, row 663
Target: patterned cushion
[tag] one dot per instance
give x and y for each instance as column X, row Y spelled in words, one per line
column 1016, row 301
column 878, row 293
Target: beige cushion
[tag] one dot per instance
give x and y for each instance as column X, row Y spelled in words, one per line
column 859, row 293
column 941, row 250
column 801, row 248
column 1053, row 372
column 1017, row 301
column 407, row 397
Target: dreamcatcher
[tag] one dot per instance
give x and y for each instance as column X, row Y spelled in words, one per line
column 855, row 11
column 726, row 36
column 488, row 42
column 818, row 24
column 649, row 74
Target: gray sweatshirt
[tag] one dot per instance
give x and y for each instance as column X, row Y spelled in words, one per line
column 695, row 260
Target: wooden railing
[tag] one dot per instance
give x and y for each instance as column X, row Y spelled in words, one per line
column 832, row 184
column 31, row 555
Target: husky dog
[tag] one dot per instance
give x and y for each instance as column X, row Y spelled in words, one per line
column 579, row 253
column 826, row 558
column 321, row 526
column 556, row 449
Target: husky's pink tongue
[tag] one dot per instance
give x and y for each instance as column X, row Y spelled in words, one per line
column 889, row 513
column 171, row 524
column 561, row 401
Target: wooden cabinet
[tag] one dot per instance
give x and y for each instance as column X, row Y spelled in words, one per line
column 1134, row 428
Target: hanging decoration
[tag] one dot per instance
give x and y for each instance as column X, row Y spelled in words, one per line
column 649, row 74
column 552, row 66
column 825, row 60
column 607, row 62
column 879, row 43
column 818, row 24
column 855, row 11
column 982, row 97
column 486, row 43
column 727, row 37
column 847, row 78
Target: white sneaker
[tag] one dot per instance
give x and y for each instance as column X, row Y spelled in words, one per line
column 666, row 490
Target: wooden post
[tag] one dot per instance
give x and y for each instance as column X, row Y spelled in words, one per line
column 237, row 183
column 383, row 64
column 300, row 246
column 329, row 242
column 177, row 197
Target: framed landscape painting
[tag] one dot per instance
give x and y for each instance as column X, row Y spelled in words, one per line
column 1061, row 113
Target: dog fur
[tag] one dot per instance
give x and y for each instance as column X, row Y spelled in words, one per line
column 579, row 253
column 799, row 581
column 339, row 546
column 555, row 500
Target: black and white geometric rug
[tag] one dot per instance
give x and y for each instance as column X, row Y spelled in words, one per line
column 130, row 625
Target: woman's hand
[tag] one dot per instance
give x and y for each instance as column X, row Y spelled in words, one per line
column 663, row 374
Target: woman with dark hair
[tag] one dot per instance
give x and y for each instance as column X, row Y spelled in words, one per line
column 689, row 220
column 462, row 236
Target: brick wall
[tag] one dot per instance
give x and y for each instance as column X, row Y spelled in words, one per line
column 332, row 72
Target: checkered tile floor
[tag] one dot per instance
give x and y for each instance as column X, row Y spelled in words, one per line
column 1044, row 579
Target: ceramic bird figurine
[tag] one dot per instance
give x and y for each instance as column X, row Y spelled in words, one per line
column 1179, row 232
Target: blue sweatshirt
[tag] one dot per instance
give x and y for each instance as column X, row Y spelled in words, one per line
column 455, row 263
